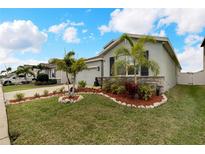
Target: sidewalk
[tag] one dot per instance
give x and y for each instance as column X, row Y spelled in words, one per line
column 31, row 92
column 4, row 136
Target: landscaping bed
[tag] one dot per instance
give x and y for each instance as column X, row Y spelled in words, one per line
column 125, row 98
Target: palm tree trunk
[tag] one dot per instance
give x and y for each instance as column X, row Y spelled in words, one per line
column 68, row 81
column 135, row 75
column 74, row 83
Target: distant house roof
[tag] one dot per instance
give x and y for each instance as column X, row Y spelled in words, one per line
column 203, row 43
column 165, row 41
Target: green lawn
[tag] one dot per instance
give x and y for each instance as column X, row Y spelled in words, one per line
column 98, row 120
column 22, row 87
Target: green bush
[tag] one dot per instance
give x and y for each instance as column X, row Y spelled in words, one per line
column 82, row 84
column 52, row 81
column 42, row 77
column 121, row 90
column 45, row 92
column 114, row 85
column 145, row 91
column 19, row 96
column 114, row 88
column 107, row 85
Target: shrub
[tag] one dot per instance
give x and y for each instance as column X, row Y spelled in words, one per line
column 82, row 84
column 107, row 85
column 19, row 96
column 145, row 91
column 114, row 88
column 45, row 92
column 42, row 77
column 52, row 81
column 121, row 90
column 36, row 95
column 54, row 91
column 61, row 89
column 131, row 88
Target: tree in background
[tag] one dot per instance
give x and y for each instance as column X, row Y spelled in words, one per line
column 69, row 65
column 25, row 70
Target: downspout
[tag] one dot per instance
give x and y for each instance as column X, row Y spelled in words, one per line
column 102, row 72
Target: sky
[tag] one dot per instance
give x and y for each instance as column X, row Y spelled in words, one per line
column 31, row 36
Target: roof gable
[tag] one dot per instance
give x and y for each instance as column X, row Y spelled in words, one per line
column 164, row 40
column 203, row 43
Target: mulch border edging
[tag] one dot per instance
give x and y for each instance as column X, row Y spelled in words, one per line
column 156, row 104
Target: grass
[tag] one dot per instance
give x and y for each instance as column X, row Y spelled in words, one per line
column 98, row 120
column 22, row 87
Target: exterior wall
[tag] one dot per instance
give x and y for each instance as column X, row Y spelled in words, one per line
column 168, row 67
column 91, row 73
column 158, row 53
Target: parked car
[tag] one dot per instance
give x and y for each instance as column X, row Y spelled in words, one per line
column 14, row 79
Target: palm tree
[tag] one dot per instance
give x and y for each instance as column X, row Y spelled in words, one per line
column 70, row 65
column 40, row 67
column 77, row 66
column 26, row 70
column 137, row 54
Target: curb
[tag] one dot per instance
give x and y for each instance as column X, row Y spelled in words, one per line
column 4, row 135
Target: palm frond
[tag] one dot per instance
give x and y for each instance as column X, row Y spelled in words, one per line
column 126, row 37
column 122, row 51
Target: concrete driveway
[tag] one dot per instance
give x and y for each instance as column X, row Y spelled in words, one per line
column 31, row 92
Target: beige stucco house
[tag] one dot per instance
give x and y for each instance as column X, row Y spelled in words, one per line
column 162, row 52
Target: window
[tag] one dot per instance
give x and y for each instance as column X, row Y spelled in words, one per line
column 131, row 70
column 112, row 61
column 144, row 69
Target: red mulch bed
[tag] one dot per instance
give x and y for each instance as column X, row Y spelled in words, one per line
column 89, row 90
column 125, row 97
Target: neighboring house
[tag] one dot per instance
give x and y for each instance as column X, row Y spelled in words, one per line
column 197, row 78
column 52, row 72
column 162, row 52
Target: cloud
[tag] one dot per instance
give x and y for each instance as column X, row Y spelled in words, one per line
column 84, row 31
column 21, row 35
column 139, row 21
column 187, row 20
column 61, row 27
column 193, row 39
column 57, row 28
column 76, row 23
column 161, row 33
column 70, row 35
column 145, row 21
column 191, row 58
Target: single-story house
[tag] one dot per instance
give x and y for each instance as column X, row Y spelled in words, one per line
column 162, row 52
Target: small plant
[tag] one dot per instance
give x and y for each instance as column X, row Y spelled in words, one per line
column 114, row 88
column 121, row 90
column 61, row 90
column 131, row 88
column 36, row 95
column 82, row 84
column 145, row 91
column 45, row 92
column 107, row 85
column 19, row 96
column 54, row 92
